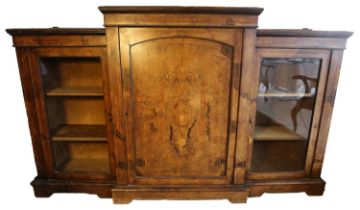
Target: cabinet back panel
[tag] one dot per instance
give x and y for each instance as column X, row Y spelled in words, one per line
column 71, row 72
column 75, row 110
column 81, row 156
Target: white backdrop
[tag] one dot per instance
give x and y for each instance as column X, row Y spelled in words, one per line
column 341, row 162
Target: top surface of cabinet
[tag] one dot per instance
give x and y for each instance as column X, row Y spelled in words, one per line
column 170, row 9
column 301, row 39
column 58, row 37
column 302, row 33
column 101, row 31
column 55, row 31
column 181, row 16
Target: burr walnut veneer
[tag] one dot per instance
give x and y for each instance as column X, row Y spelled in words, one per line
column 178, row 103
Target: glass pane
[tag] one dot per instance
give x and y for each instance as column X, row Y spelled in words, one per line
column 285, row 102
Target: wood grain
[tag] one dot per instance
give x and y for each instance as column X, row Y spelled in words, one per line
column 305, row 33
column 185, row 117
column 327, row 109
column 247, row 103
column 46, row 187
column 59, row 41
column 124, row 195
column 309, row 186
column 117, row 108
column 91, row 165
column 301, row 43
column 225, row 17
column 31, row 110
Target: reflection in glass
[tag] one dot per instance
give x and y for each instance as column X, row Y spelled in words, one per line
column 285, row 102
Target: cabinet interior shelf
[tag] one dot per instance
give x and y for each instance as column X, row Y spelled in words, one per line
column 286, row 95
column 275, row 132
column 76, row 91
column 97, row 165
column 80, row 133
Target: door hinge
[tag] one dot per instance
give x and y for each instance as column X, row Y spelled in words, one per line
column 119, row 135
column 109, row 117
column 122, row 165
column 140, row 162
column 240, row 164
column 128, row 164
column 219, row 162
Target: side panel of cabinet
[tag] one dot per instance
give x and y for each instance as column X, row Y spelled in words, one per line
column 329, row 99
column 31, row 109
column 180, row 92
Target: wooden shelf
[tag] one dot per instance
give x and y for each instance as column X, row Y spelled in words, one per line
column 80, row 133
column 285, row 95
column 100, row 165
column 76, row 91
column 276, row 132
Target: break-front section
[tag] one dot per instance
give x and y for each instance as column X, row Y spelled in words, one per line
column 64, row 81
column 178, row 103
column 177, row 106
column 296, row 78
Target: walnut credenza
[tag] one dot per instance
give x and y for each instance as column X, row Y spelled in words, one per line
column 178, row 103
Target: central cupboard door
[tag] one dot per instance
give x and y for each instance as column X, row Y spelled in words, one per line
column 180, row 94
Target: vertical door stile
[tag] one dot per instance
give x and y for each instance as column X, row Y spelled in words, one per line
column 247, row 105
column 114, row 68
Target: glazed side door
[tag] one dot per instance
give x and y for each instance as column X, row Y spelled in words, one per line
column 291, row 90
column 56, row 74
column 179, row 95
